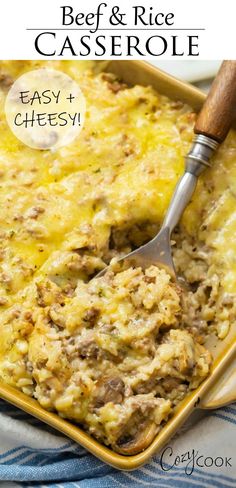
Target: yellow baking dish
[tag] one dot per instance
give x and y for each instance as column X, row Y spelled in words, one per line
column 220, row 386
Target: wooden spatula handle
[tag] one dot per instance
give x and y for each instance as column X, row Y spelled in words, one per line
column 219, row 108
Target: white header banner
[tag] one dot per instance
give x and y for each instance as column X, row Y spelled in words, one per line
column 117, row 29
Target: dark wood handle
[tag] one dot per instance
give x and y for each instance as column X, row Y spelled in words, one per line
column 219, row 108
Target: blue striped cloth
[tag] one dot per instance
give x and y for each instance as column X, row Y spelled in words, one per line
column 33, row 455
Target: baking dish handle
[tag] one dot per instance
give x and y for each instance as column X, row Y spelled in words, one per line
column 224, row 390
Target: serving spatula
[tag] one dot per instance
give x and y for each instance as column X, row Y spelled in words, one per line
column 211, row 128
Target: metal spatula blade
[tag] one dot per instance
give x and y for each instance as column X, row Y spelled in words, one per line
column 158, row 250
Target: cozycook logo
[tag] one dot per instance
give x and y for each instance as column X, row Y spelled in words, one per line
column 191, row 460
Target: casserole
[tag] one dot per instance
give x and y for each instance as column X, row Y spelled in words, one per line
column 223, row 351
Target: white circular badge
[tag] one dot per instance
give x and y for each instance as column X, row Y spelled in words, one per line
column 45, row 109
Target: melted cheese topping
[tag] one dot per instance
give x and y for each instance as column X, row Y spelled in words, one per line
column 123, row 167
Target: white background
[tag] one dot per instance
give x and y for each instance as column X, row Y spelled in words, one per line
column 216, row 42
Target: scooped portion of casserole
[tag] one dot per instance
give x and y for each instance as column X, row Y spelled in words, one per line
column 115, row 354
